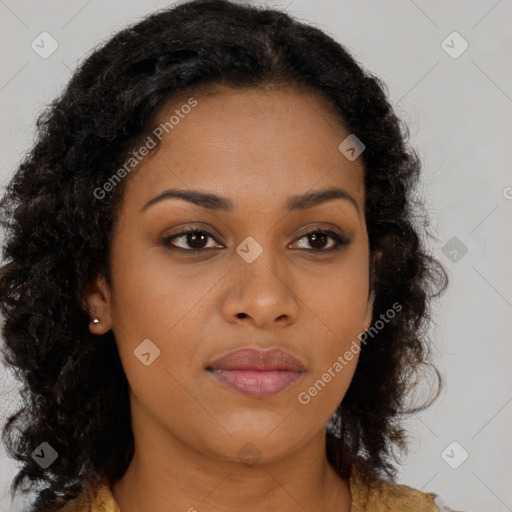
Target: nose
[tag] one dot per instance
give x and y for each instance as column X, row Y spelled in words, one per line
column 260, row 293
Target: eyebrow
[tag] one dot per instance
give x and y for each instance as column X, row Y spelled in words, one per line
column 212, row 201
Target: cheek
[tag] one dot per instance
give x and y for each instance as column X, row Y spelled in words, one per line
column 337, row 307
column 156, row 341
column 142, row 308
column 338, row 300
column 335, row 355
column 150, row 296
column 152, row 300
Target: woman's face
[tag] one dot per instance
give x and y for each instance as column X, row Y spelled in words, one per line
column 262, row 279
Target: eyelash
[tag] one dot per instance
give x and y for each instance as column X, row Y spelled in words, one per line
column 339, row 240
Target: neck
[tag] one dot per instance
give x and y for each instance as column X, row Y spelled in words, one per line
column 166, row 474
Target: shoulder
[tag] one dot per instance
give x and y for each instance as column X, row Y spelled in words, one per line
column 385, row 496
column 96, row 497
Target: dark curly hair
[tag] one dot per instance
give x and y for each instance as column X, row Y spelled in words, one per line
column 59, row 234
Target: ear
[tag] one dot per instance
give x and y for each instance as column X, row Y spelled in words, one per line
column 371, row 298
column 369, row 310
column 96, row 300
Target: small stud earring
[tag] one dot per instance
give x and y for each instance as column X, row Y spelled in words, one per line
column 95, row 321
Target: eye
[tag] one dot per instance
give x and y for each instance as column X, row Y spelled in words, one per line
column 195, row 239
column 320, row 237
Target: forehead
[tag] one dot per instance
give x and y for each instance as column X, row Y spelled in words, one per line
column 248, row 143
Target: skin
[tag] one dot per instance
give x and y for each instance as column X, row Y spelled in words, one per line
column 257, row 148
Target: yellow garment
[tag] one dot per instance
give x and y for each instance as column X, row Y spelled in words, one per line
column 375, row 498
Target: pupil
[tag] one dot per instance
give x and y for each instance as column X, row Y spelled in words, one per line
column 314, row 238
column 198, row 240
column 193, row 237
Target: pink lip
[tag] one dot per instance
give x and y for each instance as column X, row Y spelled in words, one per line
column 256, row 359
column 257, row 383
column 256, row 372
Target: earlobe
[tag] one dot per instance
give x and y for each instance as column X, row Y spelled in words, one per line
column 369, row 310
column 373, row 280
column 96, row 301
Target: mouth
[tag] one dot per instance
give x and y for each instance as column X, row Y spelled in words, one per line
column 257, row 373
column 256, row 383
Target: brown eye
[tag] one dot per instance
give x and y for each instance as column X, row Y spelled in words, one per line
column 194, row 240
column 319, row 239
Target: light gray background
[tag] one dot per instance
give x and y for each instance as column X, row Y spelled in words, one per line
column 459, row 114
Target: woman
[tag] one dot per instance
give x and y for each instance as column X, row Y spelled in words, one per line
column 214, row 288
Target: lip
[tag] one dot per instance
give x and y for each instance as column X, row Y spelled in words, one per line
column 257, row 359
column 256, row 372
